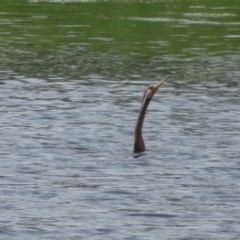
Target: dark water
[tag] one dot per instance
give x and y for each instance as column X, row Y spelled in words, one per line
column 70, row 91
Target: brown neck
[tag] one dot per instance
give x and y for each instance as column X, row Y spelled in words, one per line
column 139, row 145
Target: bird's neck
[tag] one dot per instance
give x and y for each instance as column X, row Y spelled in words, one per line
column 139, row 145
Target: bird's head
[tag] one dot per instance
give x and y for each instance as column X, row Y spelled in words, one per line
column 151, row 90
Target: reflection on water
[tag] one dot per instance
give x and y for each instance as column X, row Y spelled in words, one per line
column 70, row 94
column 66, row 150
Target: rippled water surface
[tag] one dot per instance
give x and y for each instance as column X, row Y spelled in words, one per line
column 71, row 83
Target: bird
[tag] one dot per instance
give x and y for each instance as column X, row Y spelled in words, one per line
column 139, row 145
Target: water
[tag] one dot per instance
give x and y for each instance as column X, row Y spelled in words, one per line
column 67, row 120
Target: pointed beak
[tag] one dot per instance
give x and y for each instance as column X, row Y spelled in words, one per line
column 153, row 88
column 149, row 93
column 157, row 85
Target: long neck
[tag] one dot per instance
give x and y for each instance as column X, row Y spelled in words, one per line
column 139, row 145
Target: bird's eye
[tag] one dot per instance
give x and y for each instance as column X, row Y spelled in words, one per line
column 149, row 88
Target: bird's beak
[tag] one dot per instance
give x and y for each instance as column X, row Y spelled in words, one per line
column 157, row 85
column 153, row 89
